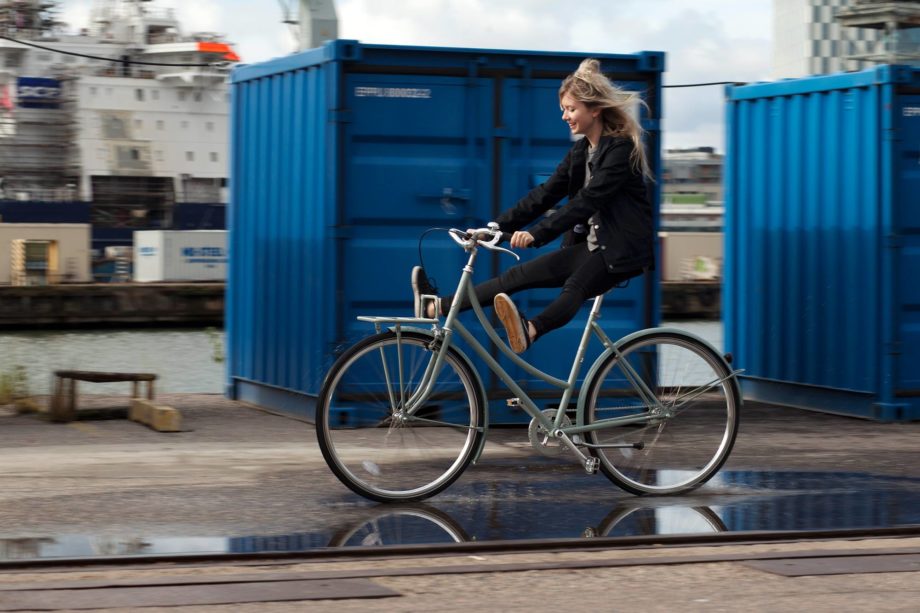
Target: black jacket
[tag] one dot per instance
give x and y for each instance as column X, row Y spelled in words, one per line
column 616, row 196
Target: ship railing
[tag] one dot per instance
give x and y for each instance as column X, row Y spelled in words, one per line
column 156, row 39
column 160, row 13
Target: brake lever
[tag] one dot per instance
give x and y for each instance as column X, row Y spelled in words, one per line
column 497, row 236
column 492, row 245
column 516, row 256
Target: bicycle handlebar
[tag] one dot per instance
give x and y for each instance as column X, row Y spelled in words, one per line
column 475, row 236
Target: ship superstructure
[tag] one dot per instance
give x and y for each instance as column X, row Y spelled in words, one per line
column 129, row 114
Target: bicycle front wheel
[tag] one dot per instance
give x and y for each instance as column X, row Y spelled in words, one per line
column 692, row 400
column 416, row 525
column 376, row 435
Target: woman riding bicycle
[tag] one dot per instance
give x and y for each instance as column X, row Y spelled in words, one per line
column 608, row 218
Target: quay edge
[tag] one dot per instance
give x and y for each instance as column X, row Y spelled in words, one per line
column 112, row 305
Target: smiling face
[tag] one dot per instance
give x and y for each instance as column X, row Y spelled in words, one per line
column 581, row 118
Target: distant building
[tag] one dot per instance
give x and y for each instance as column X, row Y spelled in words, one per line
column 813, row 37
column 898, row 23
column 692, row 176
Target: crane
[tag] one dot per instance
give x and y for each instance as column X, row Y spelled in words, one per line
column 313, row 23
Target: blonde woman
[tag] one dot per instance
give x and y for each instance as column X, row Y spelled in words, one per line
column 607, row 221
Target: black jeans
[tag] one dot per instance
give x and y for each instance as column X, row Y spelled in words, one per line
column 582, row 274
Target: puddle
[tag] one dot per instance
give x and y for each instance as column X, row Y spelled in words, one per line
column 733, row 501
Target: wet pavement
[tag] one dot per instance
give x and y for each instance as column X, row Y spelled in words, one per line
column 736, row 501
column 240, row 480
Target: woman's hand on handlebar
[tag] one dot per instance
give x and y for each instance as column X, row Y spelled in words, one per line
column 521, row 239
column 478, row 236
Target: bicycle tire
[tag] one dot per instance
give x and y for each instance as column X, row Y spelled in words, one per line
column 369, row 447
column 679, row 452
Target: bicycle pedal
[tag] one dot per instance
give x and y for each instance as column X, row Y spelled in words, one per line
column 591, row 465
column 514, row 402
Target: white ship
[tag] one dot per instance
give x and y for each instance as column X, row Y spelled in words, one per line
column 129, row 114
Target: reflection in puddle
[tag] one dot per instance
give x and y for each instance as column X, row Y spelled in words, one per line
column 733, row 501
column 411, row 525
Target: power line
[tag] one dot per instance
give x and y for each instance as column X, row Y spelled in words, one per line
column 707, row 84
column 124, row 61
column 104, row 59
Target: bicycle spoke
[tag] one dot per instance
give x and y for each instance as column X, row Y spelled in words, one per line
column 373, row 444
column 684, row 445
column 387, row 381
column 435, row 422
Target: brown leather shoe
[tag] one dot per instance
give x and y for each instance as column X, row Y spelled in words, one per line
column 514, row 323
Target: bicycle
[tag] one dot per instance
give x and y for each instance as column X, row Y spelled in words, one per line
column 402, row 413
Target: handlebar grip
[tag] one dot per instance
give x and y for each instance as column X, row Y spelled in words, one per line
column 504, row 236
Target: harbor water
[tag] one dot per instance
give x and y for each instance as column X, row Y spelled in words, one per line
column 186, row 360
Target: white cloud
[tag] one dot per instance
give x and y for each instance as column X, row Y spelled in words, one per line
column 198, row 16
column 454, row 23
column 75, row 13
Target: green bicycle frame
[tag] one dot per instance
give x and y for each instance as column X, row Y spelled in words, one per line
column 452, row 325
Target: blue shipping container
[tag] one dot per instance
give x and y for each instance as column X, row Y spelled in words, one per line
column 344, row 155
column 822, row 255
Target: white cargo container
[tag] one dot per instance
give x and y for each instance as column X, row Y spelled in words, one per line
column 173, row 255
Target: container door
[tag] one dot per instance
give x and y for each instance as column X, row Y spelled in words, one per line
column 417, row 154
column 538, row 141
column 907, row 176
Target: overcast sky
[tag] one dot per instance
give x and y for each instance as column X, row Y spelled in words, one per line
column 705, row 40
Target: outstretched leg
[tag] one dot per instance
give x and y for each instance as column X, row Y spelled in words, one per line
column 589, row 280
column 550, row 270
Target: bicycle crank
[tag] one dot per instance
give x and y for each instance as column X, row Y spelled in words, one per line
column 542, row 440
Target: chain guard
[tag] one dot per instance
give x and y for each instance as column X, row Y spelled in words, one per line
column 542, row 441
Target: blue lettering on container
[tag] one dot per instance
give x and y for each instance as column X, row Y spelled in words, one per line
column 204, row 252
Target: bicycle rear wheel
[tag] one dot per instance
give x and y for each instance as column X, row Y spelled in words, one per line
column 376, row 447
column 684, row 448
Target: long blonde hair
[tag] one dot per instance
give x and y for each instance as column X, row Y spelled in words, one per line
column 589, row 85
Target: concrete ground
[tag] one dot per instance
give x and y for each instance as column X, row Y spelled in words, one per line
column 238, row 475
column 725, row 578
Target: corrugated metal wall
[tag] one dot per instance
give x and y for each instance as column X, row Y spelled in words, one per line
column 344, row 155
column 905, row 126
column 818, row 202
column 282, row 208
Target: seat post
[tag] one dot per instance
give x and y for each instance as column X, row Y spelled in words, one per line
column 596, row 308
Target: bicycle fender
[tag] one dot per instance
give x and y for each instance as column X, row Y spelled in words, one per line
column 478, row 382
column 592, row 372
